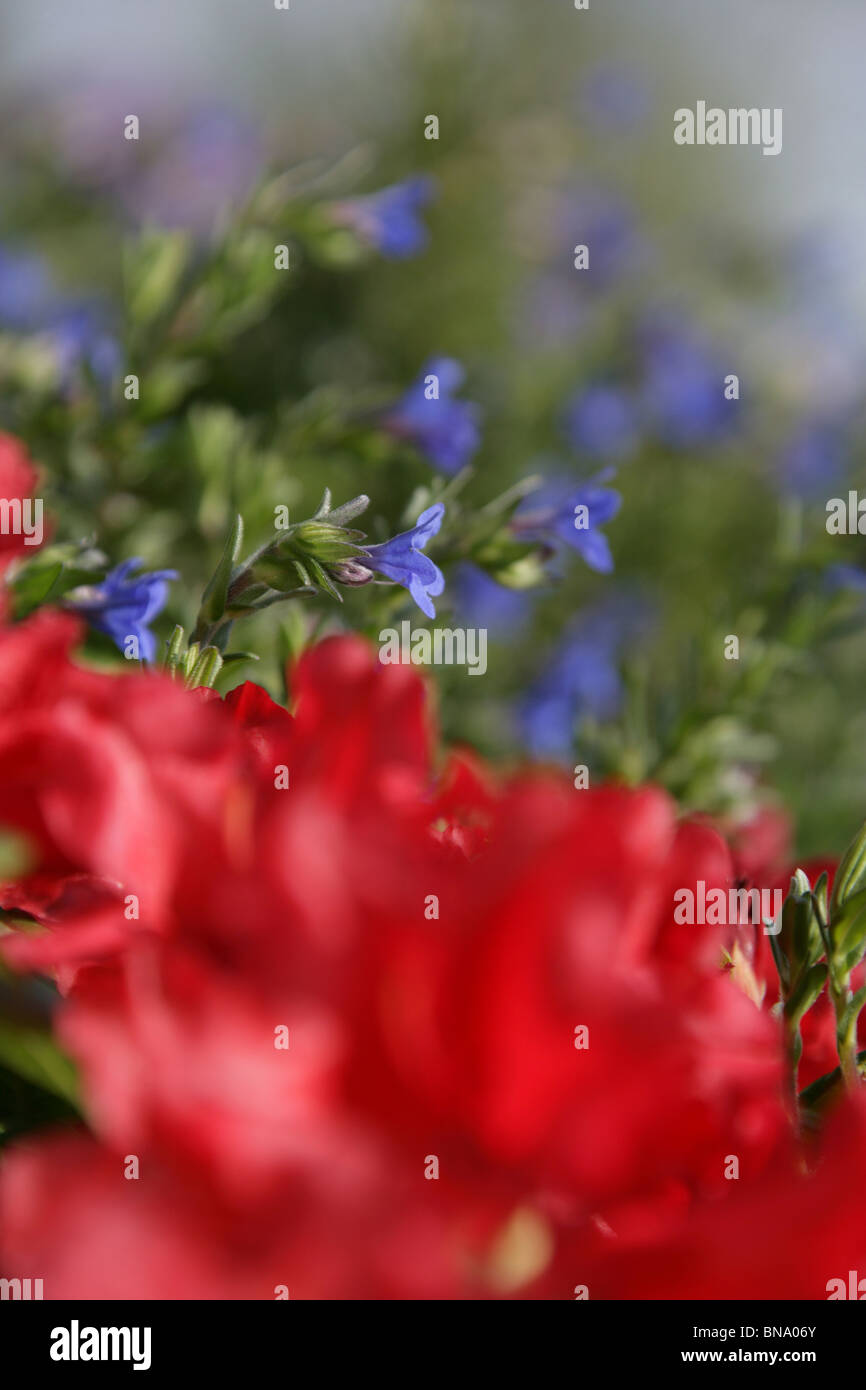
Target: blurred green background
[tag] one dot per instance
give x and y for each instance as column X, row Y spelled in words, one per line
column 555, row 129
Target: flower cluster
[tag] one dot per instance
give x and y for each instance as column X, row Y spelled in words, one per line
column 296, row 1000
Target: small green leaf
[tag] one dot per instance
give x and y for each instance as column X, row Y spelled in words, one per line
column 848, row 926
column 349, row 510
column 213, row 603
column 323, row 579
column 805, row 993
column 230, row 658
column 324, row 506
column 851, row 874
column 35, row 1056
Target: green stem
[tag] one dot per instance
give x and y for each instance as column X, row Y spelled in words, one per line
column 846, row 1032
column 839, row 989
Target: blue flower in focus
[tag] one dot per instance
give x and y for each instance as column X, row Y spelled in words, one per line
column 389, row 220
column 482, row 602
column 813, row 461
column 600, row 422
column 445, row 429
column 561, row 512
column 401, row 559
column 122, row 607
column 581, row 678
column 684, row 388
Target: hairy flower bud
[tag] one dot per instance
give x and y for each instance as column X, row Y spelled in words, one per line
column 351, row 572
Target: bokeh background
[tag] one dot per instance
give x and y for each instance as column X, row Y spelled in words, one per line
column 556, row 128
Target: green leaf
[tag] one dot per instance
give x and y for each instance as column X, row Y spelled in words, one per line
column 851, row 874
column 231, row 658
column 34, row 1055
column 805, row 993
column 154, row 268
column 324, row 506
column 323, row 579
column 213, row 603
column 349, row 510
column 818, row 1091
column 54, row 572
column 848, row 926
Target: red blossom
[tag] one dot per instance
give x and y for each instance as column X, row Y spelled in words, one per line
column 481, row 976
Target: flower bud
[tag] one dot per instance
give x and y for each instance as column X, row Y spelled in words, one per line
column 351, row 572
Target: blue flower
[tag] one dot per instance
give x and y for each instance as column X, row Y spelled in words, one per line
column 813, row 461
column 600, row 422
column 209, row 166
column 80, row 337
column 443, row 428
column 684, row 387
column 76, row 330
column 122, row 607
column 615, row 97
column 389, row 220
column 561, row 512
column 847, row 577
column 581, row 678
column 26, row 290
column 597, row 217
column 401, row 559
column 482, row 602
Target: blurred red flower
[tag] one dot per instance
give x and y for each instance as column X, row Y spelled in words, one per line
column 20, row 513
column 378, row 1030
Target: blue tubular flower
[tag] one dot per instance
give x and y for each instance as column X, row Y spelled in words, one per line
column 444, row 429
column 389, row 220
column 401, row 559
column 562, row 513
column 122, row 607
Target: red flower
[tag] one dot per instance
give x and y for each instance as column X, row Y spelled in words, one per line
column 507, row 1063
column 114, row 780
column 21, row 517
